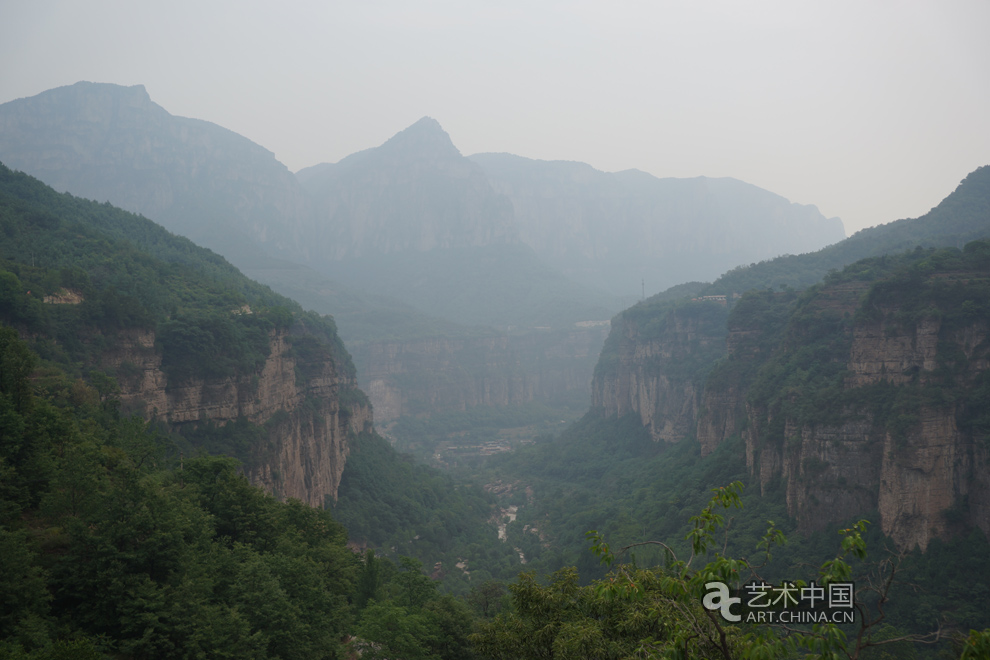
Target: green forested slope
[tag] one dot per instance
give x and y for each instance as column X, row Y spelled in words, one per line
column 961, row 217
column 113, row 548
column 131, row 273
column 116, row 545
column 606, row 474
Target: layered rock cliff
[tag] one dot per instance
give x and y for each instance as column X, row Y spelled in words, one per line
column 866, row 393
column 654, row 361
column 306, row 426
column 867, row 399
column 442, row 374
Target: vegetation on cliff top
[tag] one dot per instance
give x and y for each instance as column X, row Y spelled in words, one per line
column 960, row 218
column 126, row 272
column 799, row 375
column 113, row 547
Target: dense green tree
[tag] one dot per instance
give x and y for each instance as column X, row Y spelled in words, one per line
column 111, row 549
column 660, row 613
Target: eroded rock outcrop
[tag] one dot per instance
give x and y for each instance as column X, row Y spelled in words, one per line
column 650, row 365
column 441, row 374
column 885, row 425
column 307, row 428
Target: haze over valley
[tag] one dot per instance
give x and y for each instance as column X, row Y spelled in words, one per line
column 460, row 332
column 504, row 301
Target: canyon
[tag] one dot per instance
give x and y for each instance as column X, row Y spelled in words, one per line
column 410, row 234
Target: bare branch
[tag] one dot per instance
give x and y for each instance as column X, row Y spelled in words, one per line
column 660, row 543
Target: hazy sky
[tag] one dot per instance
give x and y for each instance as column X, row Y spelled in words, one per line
column 873, row 111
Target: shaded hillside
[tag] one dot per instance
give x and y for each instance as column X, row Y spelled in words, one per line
column 155, row 325
column 612, row 230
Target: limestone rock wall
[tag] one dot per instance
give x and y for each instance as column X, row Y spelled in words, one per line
column 438, row 374
column 307, row 447
column 652, row 370
column 927, row 479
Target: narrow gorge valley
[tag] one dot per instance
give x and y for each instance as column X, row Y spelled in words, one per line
column 394, row 406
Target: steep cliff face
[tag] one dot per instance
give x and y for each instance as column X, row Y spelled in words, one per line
column 868, row 402
column 650, row 365
column 440, row 374
column 307, row 428
column 926, row 482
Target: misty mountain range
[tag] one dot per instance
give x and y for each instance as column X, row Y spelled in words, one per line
column 414, row 194
column 410, row 244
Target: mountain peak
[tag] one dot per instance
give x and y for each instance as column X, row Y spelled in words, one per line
column 426, row 135
column 427, row 124
column 132, row 94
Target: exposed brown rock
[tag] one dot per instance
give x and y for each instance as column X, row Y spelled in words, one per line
column 64, row 297
column 881, row 350
column 308, row 448
column 928, row 482
column 648, row 383
column 718, row 417
column 438, row 374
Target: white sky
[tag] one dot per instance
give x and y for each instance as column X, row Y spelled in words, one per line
column 873, row 111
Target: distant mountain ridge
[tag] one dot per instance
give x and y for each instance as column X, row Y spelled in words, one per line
column 107, row 142
column 414, row 192
column 614, row 229
column 961, row 217
column 402, row 242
